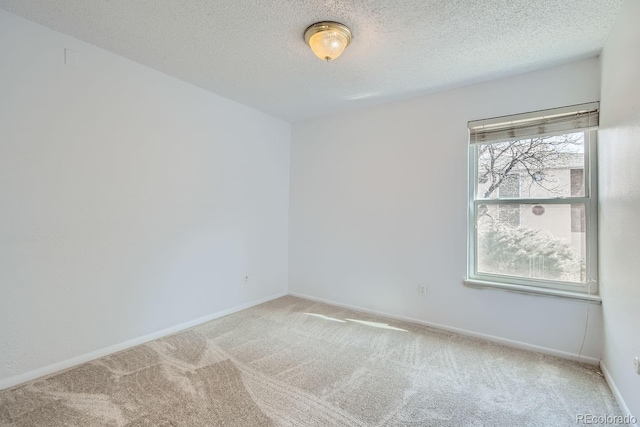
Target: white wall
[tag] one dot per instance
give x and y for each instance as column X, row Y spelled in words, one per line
column 619, row 164
column 130, row 201
column 379, row 205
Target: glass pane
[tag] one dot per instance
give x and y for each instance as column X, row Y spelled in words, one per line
column 532, row 241
column 545, row 167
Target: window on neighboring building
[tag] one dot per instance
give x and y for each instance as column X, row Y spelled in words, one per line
column 509, row 188
column 533, row 204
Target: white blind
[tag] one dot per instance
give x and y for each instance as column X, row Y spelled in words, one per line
column 536, row 124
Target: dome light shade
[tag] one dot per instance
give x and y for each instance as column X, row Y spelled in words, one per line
column 327, row 39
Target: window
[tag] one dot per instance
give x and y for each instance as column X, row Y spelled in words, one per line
column 533, row 200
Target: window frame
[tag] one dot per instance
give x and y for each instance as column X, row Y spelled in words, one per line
column 590, row 200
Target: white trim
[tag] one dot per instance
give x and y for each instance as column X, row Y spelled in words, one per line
column 616, row 393
column 533, row 290
column 504, row 341
column 75, row 361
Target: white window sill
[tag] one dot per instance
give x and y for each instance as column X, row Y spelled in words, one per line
column 531, row 290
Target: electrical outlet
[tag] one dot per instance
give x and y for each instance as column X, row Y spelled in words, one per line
column 245, row 279
column 636, row 363
column 422, row 289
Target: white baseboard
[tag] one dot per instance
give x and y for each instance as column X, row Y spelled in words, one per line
column 499, row 340
column 616, row 393
column 74, row 361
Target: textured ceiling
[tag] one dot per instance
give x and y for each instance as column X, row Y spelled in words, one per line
column 252, row 51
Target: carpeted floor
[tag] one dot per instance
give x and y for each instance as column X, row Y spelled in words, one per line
column 293, row 362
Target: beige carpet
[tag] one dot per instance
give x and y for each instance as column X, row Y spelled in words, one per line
column 293, row 362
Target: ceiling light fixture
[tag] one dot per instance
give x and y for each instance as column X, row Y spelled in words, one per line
column 327, row 39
